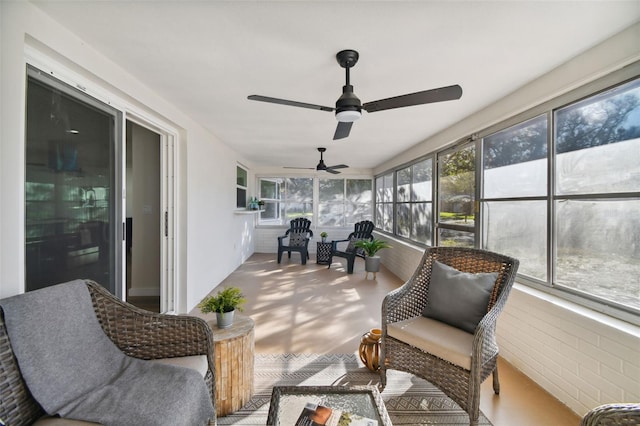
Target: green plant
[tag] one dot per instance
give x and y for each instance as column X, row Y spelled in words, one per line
column 225, row 300
column 323, row 234
column 371, row 247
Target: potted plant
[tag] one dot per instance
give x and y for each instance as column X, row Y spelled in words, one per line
column 324, row 235
column 224, row 303
column 370, row 248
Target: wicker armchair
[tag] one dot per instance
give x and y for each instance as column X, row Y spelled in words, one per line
column 138, row 333
column 613, row 415
column 362, row 231
column 480, row 355
column 297, row 237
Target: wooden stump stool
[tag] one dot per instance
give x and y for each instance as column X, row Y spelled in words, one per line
column 234, row 352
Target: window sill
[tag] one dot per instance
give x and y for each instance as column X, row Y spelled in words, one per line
column 247, row 211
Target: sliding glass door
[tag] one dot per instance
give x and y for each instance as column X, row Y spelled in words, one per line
column 73, row 211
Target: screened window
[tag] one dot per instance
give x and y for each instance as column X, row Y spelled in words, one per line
column 343, row 202
column 456, row 196
column 559, row 190
column 384, row 202
column 597, row 196
column 414, row 206
column 285, row 199
column 340, row 202
column 514, row 207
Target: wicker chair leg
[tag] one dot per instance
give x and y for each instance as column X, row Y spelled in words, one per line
column 496, row 381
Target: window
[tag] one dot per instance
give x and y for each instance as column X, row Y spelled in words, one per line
column 285, row 199
column 343, row 202
column 384, row 202
column 414, row 207
column 456, row 196
column 514, row 200
column 270, row 195
column 597, row 196
column 558, row 187
column 241, row 188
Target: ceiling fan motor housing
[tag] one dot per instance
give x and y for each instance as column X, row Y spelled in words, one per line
column 348, row 106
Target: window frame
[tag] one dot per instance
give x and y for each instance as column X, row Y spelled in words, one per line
column 315, row 198
column 240, row 205
column 573, row 96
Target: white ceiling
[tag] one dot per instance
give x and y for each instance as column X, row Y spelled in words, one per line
column 206, row 57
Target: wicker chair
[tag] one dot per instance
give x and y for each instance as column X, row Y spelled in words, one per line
column 138, row 333
column 298, row 236
column 613, row 415
column 362, row 231
column 462, row 385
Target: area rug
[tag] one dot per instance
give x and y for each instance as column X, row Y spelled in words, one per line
column 409, row 400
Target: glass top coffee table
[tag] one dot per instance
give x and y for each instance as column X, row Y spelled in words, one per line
column 288, row 402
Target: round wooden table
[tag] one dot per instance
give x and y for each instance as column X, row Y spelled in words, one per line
column 234, row 348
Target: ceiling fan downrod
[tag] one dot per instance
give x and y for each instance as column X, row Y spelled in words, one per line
column 348, row 106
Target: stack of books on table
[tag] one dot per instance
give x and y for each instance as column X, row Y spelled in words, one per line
column 320, row 415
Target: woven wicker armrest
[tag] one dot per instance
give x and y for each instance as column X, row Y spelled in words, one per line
column 613, row 415
column 148, row 335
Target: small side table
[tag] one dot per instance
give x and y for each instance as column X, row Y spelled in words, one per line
column 234, row 351
column 323, row 253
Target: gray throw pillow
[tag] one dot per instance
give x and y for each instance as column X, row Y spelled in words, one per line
column 458, row 298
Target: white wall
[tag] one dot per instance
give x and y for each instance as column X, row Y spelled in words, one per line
column 206, row 228
column 581, row 357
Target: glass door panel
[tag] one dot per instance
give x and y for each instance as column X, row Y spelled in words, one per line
column 72, row 224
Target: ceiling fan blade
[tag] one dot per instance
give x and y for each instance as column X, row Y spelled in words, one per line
column 330, row 170
column 289, row 103
column 448, row 93
column 343, row 129
column 339, row 166
column 299, row 168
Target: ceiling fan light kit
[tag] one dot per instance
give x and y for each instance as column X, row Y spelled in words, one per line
column 348, row 116
column 349, row 108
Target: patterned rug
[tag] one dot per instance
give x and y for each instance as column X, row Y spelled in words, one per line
column 409, row 400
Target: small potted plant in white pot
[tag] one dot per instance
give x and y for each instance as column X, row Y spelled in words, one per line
column 371, row 248
column 224, row 303
column 324, row 236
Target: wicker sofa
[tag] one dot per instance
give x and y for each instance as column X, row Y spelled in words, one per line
column 138, row 333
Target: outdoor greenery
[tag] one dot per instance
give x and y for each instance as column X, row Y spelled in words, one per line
column 225, row 300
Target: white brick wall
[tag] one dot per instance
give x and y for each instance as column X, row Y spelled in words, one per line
column 581, row 357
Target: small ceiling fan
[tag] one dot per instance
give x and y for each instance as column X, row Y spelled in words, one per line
column 321, row 166
column 349, row 108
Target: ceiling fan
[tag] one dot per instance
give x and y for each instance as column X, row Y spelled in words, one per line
column 321, row 166
column 349, row 108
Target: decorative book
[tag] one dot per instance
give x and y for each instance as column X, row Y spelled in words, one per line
column 320, row 415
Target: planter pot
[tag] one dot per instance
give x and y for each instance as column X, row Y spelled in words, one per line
column 324, row 239
column 372, row 264
column 225, row 319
